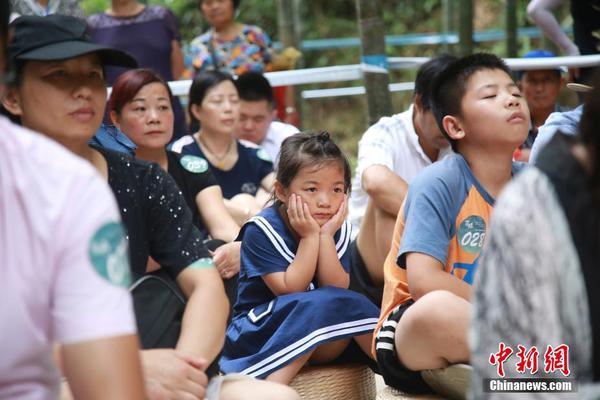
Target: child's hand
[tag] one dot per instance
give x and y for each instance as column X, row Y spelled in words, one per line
column 300, row 219
column 331, row 227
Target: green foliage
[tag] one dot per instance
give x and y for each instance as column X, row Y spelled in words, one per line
column 94, row 6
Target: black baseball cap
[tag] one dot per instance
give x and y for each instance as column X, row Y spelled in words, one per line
column 59, row 37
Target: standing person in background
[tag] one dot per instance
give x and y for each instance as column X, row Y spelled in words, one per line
column 59, row 231
column 45, row 7
column 541, row 88
column 149, row 33
column 235, row 48
column 229, row 46
column 586, row 27
column 257, row 113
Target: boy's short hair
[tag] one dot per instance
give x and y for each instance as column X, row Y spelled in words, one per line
column 253, row 86
column 450, row 86
column 425, row 76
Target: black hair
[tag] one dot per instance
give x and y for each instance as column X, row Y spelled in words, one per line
column 309, row 148
column 236, row 3
column 253, row 86
column 7, row 73
column 588, row 129
column 4, row 17
column 426, row 75
column 201, row 84
column 451, row 84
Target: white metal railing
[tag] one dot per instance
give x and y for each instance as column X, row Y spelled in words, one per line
column 355, row 72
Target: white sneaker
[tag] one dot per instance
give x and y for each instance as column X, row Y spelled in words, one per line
column 451, row 382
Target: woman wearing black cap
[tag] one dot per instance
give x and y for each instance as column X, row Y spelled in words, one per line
column 59, row 91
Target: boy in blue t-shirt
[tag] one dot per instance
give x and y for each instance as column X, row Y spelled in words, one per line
column 441, row 227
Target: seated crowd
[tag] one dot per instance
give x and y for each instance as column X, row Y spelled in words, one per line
column 219, row 261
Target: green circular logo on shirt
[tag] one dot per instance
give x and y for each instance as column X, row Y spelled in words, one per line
column 263, row 155
column 194, row 164
column 202, row 263
column 471, row 234
column 108, row 254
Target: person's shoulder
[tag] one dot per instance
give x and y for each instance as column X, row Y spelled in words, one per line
column 391, row 126
column 253, row 150
column 268, row 222
column 184, row 141
column 247, row 29
column 448, row 175
column 98, row 20
column 281, row 128
column 256, row 34
column 158, row 12
column 201, row 40
column 121, row 161
column 41, row 153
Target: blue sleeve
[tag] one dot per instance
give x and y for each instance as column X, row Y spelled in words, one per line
column 429, row 213
column 258, row 255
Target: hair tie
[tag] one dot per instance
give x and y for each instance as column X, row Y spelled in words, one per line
column 323, row 137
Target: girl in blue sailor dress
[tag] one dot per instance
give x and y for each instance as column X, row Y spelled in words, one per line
column 293, row 303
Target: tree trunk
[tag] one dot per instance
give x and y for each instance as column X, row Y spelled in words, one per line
column 373, row 54
column 466, row 27
column 512, row 47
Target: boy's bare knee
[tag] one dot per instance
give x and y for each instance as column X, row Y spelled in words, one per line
column 435, row 313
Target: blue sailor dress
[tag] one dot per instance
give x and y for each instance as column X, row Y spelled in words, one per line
column 268, row 332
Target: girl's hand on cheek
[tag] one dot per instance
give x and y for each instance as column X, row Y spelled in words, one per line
column 300, row 219
column 331, row 227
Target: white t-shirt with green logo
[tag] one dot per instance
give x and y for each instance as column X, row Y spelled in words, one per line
column 63, row 261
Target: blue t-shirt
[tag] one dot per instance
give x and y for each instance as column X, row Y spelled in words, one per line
column 445, row 215
column 252, row 166
column 268, row 246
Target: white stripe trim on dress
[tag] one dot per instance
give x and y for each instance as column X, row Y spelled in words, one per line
column 274, row 237
column 346, row 242
column 342, row 236
column 307, row 338
column 179, row 144
column 254, row 318
column 301, row 345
